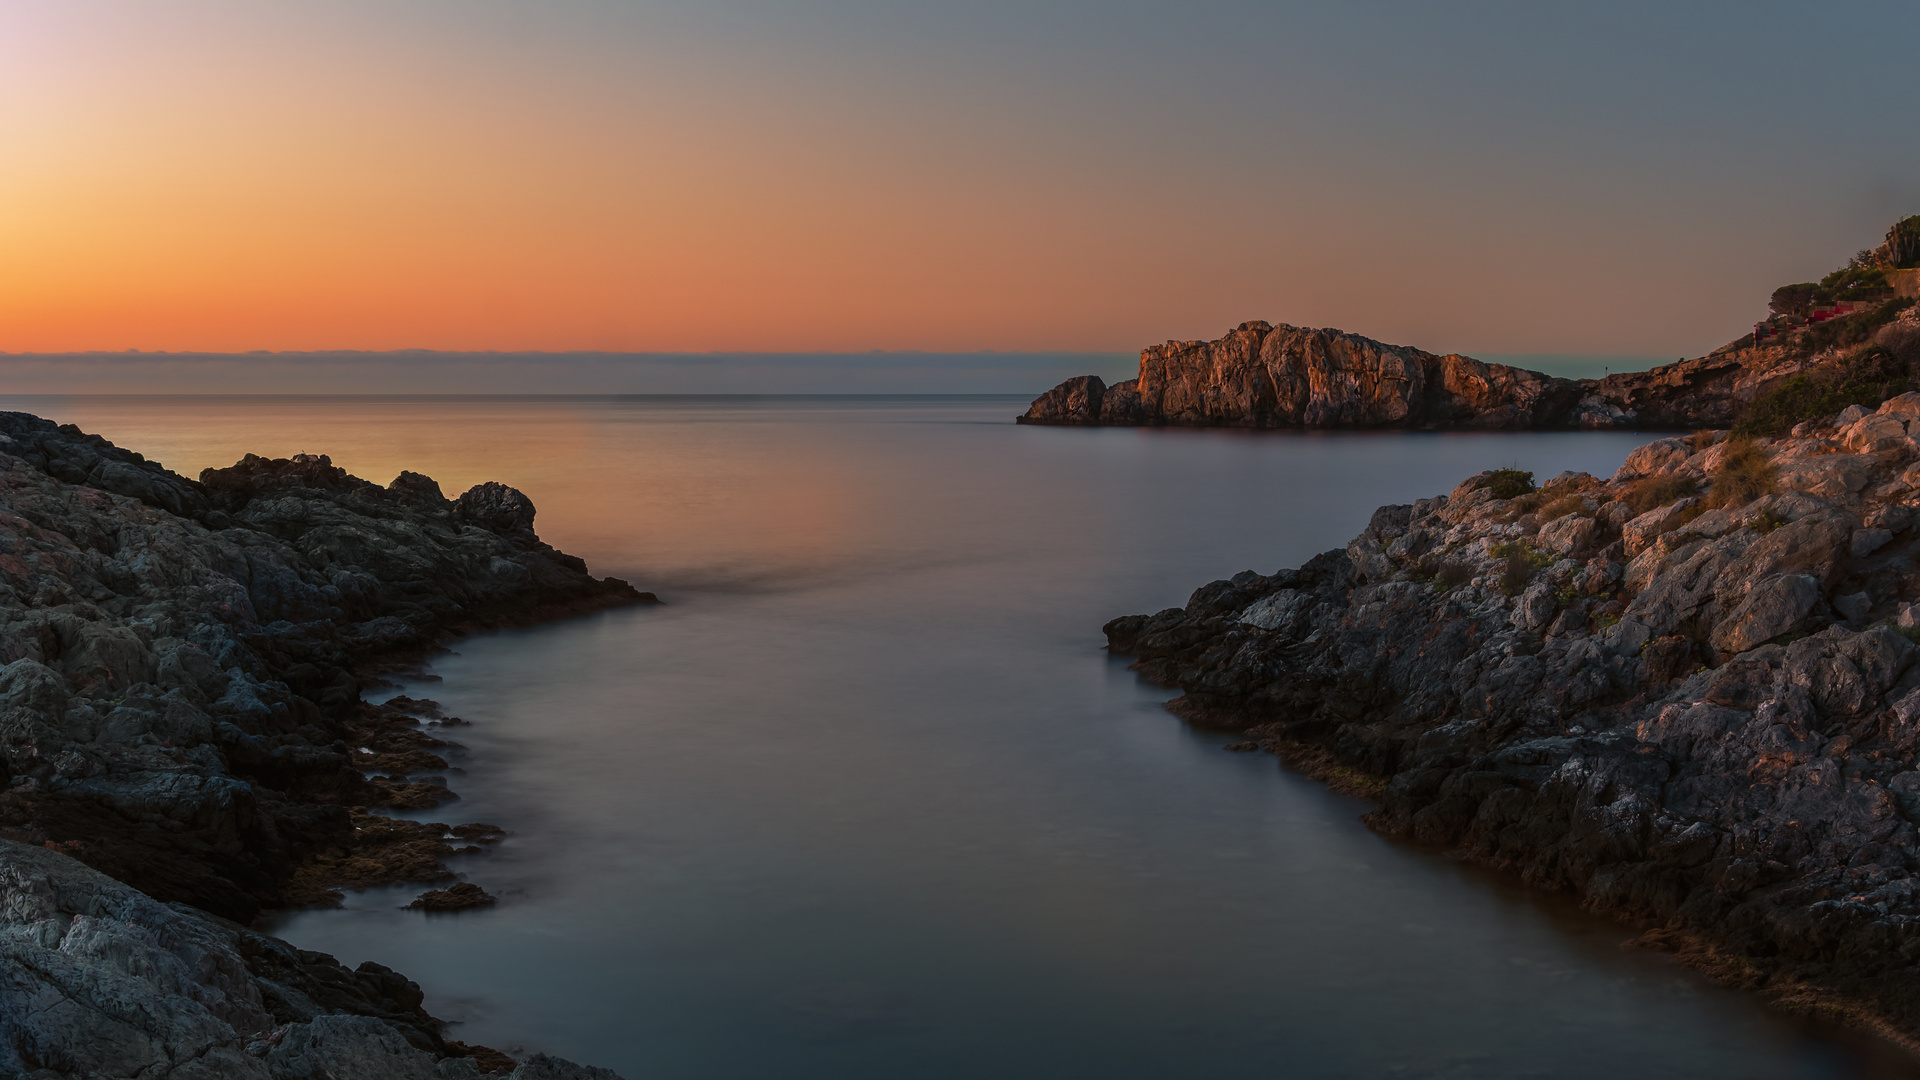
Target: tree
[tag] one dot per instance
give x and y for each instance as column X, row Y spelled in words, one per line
column 1903, row 243
column 1793, row 299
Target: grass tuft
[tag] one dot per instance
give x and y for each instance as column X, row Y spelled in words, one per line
column 1658, row 490
column 1743, row 475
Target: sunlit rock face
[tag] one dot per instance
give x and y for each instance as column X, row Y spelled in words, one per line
column 1289, row 376
column 1265, row 376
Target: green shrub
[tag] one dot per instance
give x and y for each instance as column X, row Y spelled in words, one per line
column 1522, row 559
column 1850, row 330
column 1903, row 243
column 1526, row 552
column 1795, row 300
column 1853, row 278
column 1508, row 483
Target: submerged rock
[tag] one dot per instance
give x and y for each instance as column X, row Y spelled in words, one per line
column 462, row 897
column 1702, row 716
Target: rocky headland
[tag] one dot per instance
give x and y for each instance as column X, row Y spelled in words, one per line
column 1266, row 376
column 1262, row 375
column 1688, row 694
column 183, row 745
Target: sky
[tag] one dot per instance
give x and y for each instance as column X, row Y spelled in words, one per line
column 843, row 176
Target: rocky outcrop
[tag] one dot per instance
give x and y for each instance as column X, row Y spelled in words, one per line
column 180, row 710
column 1266, row 376
column 1288, row 376
column 1688, row 695
column 99, row 980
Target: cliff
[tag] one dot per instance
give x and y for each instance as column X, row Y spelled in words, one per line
column 180, row 711
column 1688, row 694
column 1262, row 375
column 1266, row 376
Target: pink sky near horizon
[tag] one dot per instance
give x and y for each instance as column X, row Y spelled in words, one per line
column 219, row 176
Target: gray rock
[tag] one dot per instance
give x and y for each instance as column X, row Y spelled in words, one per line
column 1535, row 607
column 1868, row 541
column 340, row 1046
column 1772, row 608
column 1574, row 532
column 1854, row 606
column 1661, row 752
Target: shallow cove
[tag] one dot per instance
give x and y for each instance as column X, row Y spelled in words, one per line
column 866, row 798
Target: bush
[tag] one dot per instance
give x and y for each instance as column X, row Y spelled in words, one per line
column 1795, row 300
column 1522, row 559
column 1835, row 334
column 1443, row 574
column 1515, row 574
column 1867, row 379
column 1561, row 507
column 1903, row 243
column 1659, row 490
column 1508, row 483
column 1743, row 475
column 1853, row 278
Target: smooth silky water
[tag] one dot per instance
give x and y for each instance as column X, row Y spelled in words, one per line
column 865, row 797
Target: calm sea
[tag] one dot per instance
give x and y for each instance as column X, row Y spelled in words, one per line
column 865, row 798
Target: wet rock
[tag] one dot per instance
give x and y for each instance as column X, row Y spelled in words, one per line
column 464, row 896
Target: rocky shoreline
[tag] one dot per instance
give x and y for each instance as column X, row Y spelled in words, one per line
column 1687, row 695
column 183, row 745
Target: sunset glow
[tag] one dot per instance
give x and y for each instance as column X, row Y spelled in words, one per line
column 224, row 177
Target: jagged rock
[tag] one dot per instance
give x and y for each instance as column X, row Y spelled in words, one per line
column 1770, row 609
column 1691, row 740
column 180, row 709
column 1076, row 401
column 1262, row 375
column 98, row 979
column 462, row 897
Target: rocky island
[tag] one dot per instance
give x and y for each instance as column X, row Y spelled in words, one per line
column 1262, row 375
column 183, row 745
column 1687, row 694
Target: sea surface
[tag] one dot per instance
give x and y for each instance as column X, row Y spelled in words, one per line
column 866, row 798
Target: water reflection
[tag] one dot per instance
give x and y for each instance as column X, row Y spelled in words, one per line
column 866, row 798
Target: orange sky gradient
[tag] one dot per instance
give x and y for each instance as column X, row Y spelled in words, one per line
column 229, row 177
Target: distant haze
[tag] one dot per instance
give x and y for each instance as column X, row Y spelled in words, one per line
column 1066, row 176
column 423, row 372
